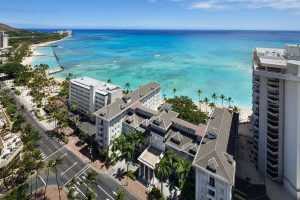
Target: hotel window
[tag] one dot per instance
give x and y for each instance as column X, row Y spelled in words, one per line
column 211, row 193
column 211, row 181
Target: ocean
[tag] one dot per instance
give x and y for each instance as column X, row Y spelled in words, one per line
column 213, row 61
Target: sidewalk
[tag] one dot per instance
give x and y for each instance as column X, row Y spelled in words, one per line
column 26, row 100
column 135, row 187
column 117, row 172
column 81, row 150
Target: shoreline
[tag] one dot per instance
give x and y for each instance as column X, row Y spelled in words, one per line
column 244, row 113
column 28, row 60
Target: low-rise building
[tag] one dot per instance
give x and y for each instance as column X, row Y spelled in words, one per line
column 90, row 94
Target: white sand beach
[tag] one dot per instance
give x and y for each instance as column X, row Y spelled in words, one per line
column 245, row 113
column 28, row 60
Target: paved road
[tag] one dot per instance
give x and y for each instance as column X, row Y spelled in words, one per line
column 72, row 166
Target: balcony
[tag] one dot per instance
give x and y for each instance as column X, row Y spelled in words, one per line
column 274, row 144
column 272, row 149
column 273, row 111
column 273, row 124
column 273, row 99
column 272, row 162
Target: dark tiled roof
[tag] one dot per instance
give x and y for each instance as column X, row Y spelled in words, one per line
column 217, row 150
column 182, row 141
column 127, row 101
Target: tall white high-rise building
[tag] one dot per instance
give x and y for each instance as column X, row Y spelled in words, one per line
column 276, row 115
column 90, row 94
column 3, row 40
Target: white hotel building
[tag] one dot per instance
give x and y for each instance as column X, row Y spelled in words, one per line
column 276, row 115
column 91, row 95
column 109, row 120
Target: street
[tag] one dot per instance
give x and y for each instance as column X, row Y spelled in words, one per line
column 71, row 167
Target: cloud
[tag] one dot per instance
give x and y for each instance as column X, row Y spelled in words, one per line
column 206, row 5
column 252, row 4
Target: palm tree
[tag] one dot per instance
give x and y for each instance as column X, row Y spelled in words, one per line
column 57, row 161
column 71, row 194
column 222, row 97
column 5, row 172
column 128, row 155
column 212, row 105
column 174, row 91
column 109, row 80
column 229, row 100
column 74, row 107
column 50, row 165
column 183, row 167
column 120, row 194
column 199, row 92
column 127, row 87
column 162, row 171
column 235, row 109
column 76, row 121
column 90, row 179
column 89, row 114
column 206, row 101
column 214, row 97
column 39, row 165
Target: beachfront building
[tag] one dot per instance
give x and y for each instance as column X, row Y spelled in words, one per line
column 109, row 119
column 276, row 115
column 91, row 95
column 215, row 159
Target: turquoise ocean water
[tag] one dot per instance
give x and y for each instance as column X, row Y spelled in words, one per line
column 213, row 61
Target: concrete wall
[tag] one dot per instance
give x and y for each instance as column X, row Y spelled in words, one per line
column 292, row 138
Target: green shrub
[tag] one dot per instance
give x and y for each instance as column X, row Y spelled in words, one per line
column 131, row 175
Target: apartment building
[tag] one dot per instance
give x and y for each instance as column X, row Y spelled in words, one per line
column 276, row 115
column 91, row 95
column 215, row 159
column 109, row 119
column 3, row 40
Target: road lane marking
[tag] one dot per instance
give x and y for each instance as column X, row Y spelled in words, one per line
column 63, row 155
column 78, row 174
column 54, row 153
column 69, row 168
column 80, row 191
column 88, row 187
column 42, row 179
column 105, row 192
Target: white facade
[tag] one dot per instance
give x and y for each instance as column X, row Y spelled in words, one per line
column 211, row 187
column 110, row 127
column 276, row 115
column 5, row 41
column 91, row 95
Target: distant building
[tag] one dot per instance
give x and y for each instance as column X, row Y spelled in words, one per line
column 276, row 115
column 3, row 40
column 91, row 95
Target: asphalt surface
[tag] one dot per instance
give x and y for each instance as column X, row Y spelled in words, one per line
column 72, row 166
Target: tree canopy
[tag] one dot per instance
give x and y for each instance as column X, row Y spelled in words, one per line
column 187, row 109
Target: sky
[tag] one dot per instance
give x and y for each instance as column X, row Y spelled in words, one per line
column 153, row 14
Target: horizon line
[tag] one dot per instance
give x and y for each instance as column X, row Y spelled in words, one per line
column 164, row 29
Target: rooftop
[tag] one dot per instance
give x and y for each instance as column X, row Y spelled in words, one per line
column 100, row 85
column 150, row 157
column 217, row 150
column 120, row 105
column 278, row 58
column 182, row 141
